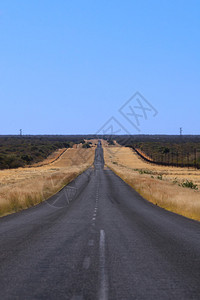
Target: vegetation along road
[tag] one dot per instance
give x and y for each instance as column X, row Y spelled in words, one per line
column 99, row 239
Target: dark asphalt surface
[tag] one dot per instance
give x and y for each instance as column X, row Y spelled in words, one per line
column 98, row 239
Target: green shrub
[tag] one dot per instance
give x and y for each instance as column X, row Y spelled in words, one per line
column 86, row 145
column 110, row 142
column 145, row 172
column 189, row 184
column 27, row 158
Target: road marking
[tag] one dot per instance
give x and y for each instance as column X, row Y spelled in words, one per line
column 86, row 262
column 91, row 243
column 103, row 289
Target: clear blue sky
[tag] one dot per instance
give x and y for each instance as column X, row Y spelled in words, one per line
column 67, row 66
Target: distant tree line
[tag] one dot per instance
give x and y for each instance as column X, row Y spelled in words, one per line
column 182, row 151
column 18, row 151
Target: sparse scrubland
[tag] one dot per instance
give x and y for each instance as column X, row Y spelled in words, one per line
column 180, row 151
column 20, row 151
column 24, row 187
column 175, row 189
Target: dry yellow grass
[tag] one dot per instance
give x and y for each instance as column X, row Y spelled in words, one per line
column 165, row 193
column 50, row 159
column 128, row 158
column 23, row 187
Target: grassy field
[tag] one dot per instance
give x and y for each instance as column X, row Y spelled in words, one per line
column 24, row 187
column 163, row 186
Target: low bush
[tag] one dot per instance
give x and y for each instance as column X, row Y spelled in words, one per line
column 145, row 172
column 189, row 184
column 86, row 145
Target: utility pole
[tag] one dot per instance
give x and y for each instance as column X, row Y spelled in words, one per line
column 20, row 132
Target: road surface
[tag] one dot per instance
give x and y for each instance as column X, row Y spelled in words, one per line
column 98, row 239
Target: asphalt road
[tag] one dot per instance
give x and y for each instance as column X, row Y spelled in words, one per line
column 98, row 239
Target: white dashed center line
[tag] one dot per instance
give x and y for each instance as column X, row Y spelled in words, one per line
column 86, row 262
column 103, row 289
column 91, row 243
